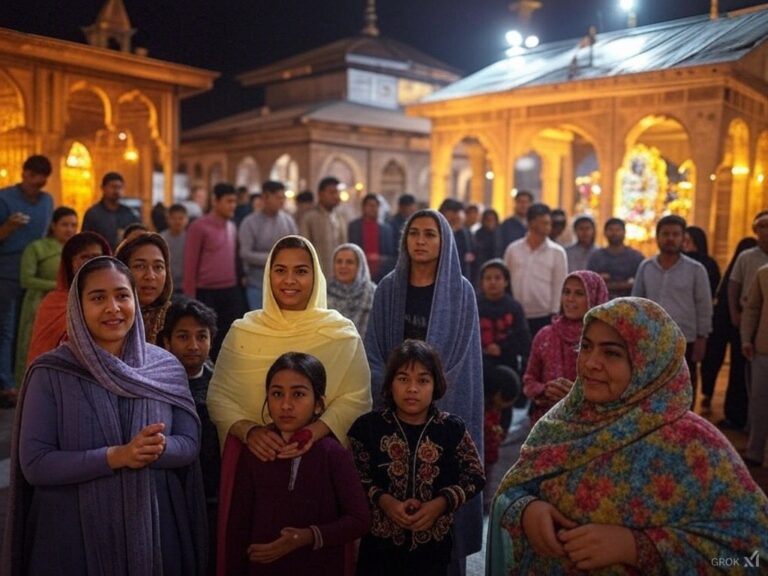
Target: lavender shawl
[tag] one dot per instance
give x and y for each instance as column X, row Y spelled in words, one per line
column 119, row 523
column 454, row 331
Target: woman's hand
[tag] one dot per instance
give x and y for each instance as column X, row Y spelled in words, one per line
column 541, row 522
column 264, row 443
column 401, row 513
column 290, row 540
column 318, row 429
column 143, row 449
column 594, row 546
column 425, row 516
column 557, row 389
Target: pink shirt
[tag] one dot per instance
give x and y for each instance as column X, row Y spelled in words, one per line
column 209, row 255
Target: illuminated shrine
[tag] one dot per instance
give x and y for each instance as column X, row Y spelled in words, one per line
column 93, row 109
column 638, row 123
column 336, row 110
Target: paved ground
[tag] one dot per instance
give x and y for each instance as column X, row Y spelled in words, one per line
column 507, row 455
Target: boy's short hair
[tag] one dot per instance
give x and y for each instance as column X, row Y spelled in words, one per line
column 38, row 164
column 177, row 208
column 305, row 197
column 501, row 380
column 183, row 307
column 327, row 182
column 407, row 353
column 671, row 220
column 112, row 177
column 223, row 189
column 537, row 210
column 272, row 187
column 617, row 221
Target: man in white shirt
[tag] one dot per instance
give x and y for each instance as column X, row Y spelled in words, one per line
column 538, row 267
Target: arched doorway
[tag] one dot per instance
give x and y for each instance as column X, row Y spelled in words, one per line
column 77, row 179
column 247, row 174
column 656, row 178
column 286, row 170
column 14, row 145
column 392, row 182
column 472, row 175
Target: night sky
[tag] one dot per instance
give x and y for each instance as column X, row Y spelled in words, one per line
column 233, row 36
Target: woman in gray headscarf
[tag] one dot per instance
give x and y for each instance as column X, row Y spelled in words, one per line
column 104, row 473
column 350, row 291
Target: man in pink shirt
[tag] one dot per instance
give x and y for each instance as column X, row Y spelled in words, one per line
column 210, row 262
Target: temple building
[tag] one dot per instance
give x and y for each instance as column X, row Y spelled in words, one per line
column 638, row 123
column 93, row 109
column 333, row 111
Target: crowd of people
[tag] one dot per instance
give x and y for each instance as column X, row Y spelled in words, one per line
column 244, row 390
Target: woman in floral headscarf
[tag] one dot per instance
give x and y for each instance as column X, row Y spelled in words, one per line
column 551, row 367
column 621, row 475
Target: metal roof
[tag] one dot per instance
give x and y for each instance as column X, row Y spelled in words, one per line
column 688, row 42
column 333, row 112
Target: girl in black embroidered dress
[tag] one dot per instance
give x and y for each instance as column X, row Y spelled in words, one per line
column 418, row 465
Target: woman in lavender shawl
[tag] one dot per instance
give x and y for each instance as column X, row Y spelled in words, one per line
column 104, row 478
column 426, row 297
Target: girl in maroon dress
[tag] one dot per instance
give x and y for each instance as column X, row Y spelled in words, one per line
column 293, row 516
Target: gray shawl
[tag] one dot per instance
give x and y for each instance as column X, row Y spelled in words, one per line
column 120, row 525
column 454, row 331
column 355, row 300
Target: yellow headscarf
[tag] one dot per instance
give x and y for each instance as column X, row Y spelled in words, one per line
column 238, row 389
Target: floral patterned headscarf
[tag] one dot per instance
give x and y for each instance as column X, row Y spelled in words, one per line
column 575, row 431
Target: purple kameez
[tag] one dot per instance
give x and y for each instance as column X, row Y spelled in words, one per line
column 326, row 491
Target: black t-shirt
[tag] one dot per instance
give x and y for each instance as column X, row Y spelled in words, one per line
column 418, row 304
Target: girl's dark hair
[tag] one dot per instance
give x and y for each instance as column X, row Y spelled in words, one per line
column 498, row 263
column 58, row 214
column 424, row 212
column 409, row 352
column 187, row 307
column 61, row 212
column 103, row 263
column 306, row 365
column 699, row 238
column 127, row 248
column 290, row 242
column 74, row 246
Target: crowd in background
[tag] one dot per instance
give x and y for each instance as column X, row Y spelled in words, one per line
column 228, row 282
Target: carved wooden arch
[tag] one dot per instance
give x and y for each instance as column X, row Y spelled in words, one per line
column 154, row 131
column 106, row 102
column 346, row 158
column 487, row 139
column 643, row 122
column 16, row 115
column 248, row 160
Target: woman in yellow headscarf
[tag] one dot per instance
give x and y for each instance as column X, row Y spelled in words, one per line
column 294, row 319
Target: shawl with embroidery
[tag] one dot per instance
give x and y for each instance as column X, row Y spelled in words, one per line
column 643, row 461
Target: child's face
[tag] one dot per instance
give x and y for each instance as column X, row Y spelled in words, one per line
column 291, row 402
column 412, row 392
column 190, row 342
column 493, row 283
column 177, row 222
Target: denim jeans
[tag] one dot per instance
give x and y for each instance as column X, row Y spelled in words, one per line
column 10, row 299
